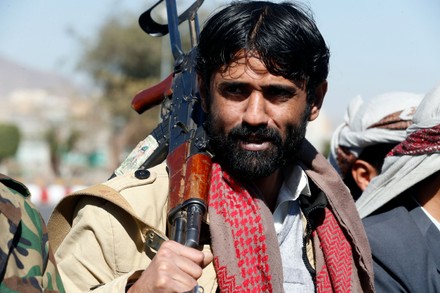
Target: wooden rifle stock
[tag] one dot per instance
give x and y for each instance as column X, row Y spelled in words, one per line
column 189, row 189
column 153, row 96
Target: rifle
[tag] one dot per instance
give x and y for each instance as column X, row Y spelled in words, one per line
column 180, row 137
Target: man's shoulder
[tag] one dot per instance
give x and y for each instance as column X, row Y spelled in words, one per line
column 139, row 195
column 12, row 189
column 391, row 218
column 134, row 192
column 24, row 236
column 400, row 251
column 124, row 184
column 139, row 178
column 15, row 201
column 392, row 234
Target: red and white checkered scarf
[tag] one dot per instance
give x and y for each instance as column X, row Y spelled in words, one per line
column 421, row 142
column 245, row 246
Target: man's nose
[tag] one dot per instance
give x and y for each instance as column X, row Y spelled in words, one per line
column 256, row 113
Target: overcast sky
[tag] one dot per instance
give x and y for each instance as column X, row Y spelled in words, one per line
column 376, row 46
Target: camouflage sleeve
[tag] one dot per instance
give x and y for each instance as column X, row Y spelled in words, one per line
column 26, row 261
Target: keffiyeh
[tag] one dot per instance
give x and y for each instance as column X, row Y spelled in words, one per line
column 245, row 246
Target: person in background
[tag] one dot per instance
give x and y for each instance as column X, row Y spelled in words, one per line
column 280, row 218
column 26, row 260
column 401, row 207
column 371, row 129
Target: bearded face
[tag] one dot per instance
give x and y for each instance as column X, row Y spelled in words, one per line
column 256, row 120
column 254, row 164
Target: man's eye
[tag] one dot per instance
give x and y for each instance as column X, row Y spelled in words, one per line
column 278, row 94
column 233, row 90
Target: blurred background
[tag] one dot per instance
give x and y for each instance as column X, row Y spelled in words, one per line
column 69, row 70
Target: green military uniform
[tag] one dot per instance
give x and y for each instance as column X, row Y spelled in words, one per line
column 26, row 261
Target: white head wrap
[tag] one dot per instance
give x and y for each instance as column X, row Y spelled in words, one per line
column 402, row 172
column 355, row 133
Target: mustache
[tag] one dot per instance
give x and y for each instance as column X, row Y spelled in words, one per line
column 255, row 134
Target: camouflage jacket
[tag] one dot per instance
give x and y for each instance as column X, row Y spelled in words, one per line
column 26, row 261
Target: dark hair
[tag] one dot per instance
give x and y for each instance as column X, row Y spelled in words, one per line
column 284, row 36
column 375, row 156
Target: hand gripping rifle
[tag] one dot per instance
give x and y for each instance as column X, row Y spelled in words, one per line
column 180, row 136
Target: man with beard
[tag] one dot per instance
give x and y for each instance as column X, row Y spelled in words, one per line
column 280, row 218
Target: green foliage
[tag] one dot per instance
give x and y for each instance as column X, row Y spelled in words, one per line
column 58, row 146
column 122, row 60
column 9, row 140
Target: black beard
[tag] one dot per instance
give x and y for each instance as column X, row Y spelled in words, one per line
column 249, row 165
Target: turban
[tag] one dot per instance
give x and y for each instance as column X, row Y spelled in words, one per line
column 411, row 161
column 383, row 119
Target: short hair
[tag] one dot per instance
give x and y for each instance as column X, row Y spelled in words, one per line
column 374, row 155
column 283, row 36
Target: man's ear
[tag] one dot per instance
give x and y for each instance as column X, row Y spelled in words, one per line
column 363, row 172
column 203, row 94
column 320, row 92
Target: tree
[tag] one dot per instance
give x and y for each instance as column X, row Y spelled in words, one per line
column 123, row 60
column 9, row 140
column 59, row 146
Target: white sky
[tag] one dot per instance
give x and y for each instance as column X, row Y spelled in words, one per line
column 376, row 46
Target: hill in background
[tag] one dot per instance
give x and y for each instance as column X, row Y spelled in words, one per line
column 15, row 76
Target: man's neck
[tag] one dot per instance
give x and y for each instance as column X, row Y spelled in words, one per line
column 433, row 206
column 270, row 187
